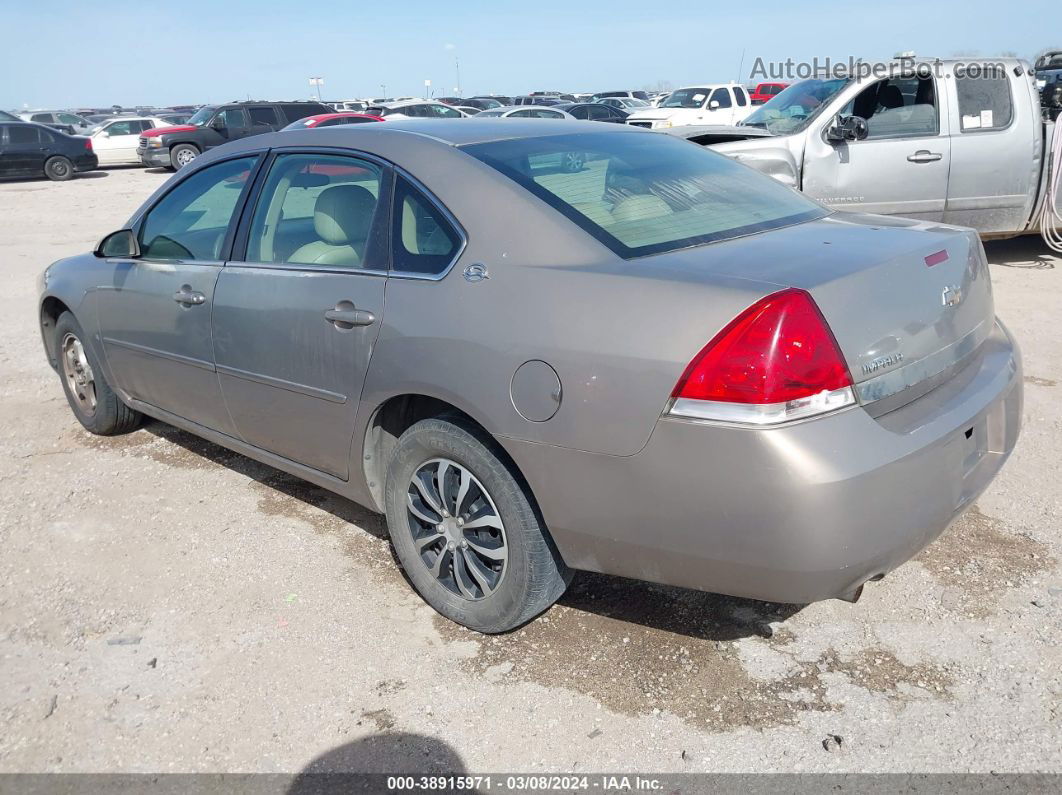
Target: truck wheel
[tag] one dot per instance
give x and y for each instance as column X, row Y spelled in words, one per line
column 90, row 396
column 59, row 168
column 465, row 530
column 182, row 154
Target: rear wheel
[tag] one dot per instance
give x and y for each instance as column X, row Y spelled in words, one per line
column 91, row 398
column 59, row 168
column 182, row 154
column 465, row 531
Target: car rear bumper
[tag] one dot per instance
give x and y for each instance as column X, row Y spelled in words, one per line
column 798, row 513
column 86, row 162
column 154, row 156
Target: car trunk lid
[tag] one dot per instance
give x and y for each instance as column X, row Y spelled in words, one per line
column 909, row 302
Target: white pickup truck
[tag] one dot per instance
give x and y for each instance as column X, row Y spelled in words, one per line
column 939, row 143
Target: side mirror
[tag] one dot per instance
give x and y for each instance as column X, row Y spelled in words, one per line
column 847, row 128
column 713, row 105
column 217, row 123
column 122, row 243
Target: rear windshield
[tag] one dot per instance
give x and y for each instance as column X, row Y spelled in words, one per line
column 645, row 193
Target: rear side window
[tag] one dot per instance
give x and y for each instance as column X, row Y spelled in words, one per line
column 191, row 221
column 44, row 118
column 645, row 194
column 23, row 134
column 296, row 112
column 984, row 102
column 739, row 95
column 263, row 116
column 423, row 240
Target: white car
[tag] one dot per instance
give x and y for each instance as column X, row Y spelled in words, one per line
column 415, row 109
column 115, row 140
column 721, row 103
column 525, row 112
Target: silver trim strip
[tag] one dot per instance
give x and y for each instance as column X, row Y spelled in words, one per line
column 894, row 381
column 760, row 414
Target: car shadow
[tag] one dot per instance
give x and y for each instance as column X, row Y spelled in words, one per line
column 682, row 611
column 365, row 764
column 1027, row 251
column 91, row 175
column 272, row 478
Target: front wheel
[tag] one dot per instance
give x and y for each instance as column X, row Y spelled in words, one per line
column 465, row 531
column 59, row 168
column 91, row 398
column 182, row 154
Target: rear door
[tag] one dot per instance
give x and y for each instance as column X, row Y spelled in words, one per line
column 996, row 140
column 901, row 168
column 154, row 310
column 297, row 314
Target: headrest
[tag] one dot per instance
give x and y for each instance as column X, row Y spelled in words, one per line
column 343, row 214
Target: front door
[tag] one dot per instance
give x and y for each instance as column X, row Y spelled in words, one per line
column 116, row 142
column 155, row 313
column 295, row 321
column 900, row 168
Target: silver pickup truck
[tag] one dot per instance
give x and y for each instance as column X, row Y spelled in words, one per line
column 940, row 142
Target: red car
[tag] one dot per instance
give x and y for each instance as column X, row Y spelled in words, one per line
column 766, row 91
column 331, row 119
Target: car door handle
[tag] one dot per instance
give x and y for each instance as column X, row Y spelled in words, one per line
column 924, row 156
column 346, row 317
column 186, row 295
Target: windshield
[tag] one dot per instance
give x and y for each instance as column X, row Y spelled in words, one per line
column 202, row 116
column 793, row 109
column 646, row 194
column 686, row 98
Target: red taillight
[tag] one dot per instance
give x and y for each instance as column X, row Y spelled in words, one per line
column 88, row 144
column 774, row 362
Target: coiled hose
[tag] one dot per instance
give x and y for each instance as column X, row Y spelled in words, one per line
column 1051, row 214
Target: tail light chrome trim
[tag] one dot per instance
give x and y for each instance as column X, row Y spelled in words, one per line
column 763, row 414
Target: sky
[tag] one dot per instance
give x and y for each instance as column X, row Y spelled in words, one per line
column 60, row 54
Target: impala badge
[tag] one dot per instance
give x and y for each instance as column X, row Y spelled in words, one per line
column 952, row 296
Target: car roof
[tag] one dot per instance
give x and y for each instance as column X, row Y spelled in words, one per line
column 452, row 132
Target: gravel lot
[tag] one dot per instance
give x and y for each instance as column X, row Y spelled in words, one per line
column 166, row 605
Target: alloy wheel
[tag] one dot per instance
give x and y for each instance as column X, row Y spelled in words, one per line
column 457, row 530
column 78, row 373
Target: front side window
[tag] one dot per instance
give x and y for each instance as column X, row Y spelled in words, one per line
column 263, row 116
column 70, row 118
column 318, row 210
column 232, row 118
column 645, row 194
column 722, row 96
column 897, row 108
column 443, row 112
column 191, row 221
column 423, row 240
column 984, row 101
column 123, row 128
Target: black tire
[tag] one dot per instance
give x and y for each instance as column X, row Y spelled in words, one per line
column 533, row 575
column 110, row 416
column 59, row 168
column 181, row 155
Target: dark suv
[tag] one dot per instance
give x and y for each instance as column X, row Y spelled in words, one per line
column 213, row 125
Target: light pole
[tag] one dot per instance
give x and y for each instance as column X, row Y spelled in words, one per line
column 457, row 68
column 317, row 81
column 383, row 90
